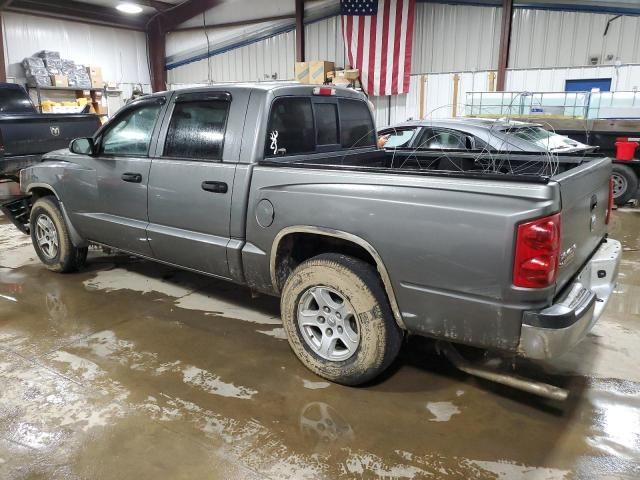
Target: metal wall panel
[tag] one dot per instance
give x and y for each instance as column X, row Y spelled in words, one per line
column 450, row 38
column 255, row 62
column 545, row 38
column 122, row 54
column 323, row 41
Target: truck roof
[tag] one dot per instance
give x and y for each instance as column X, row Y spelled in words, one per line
column 275, row 88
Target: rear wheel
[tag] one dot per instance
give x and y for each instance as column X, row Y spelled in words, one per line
column 50, row 237
column 338, row 320
column 625, row 184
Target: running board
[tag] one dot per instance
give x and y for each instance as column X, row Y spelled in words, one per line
column 511, row 380
column 18, row 210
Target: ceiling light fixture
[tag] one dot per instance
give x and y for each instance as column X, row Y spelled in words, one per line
column 130, row 8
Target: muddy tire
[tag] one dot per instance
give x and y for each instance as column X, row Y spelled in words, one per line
column 625, row 184
column 50, row 237
column 338, row 319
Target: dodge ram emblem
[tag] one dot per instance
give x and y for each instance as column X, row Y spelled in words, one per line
column 55, row 131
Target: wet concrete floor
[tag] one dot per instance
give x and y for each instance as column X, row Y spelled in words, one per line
column 132, row 370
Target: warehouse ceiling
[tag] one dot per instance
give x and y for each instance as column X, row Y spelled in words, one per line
column 104, row 12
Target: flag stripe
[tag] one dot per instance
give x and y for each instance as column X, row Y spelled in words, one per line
column 378, row 41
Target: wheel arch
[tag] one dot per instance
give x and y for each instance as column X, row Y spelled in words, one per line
column 345, row 238
column 39, row 190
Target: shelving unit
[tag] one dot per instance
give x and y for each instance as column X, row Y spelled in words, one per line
column 78, row 93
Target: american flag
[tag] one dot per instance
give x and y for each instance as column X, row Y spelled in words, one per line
column 378, row 37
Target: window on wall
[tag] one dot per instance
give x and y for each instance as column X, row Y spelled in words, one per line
column 131, row 132
column 197, row 130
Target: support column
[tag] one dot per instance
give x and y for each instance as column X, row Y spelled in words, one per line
column 505, row 43
column 3, row 65
column 156, row 41
column 299, row 30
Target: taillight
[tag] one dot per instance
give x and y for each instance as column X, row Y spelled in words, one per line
column 610, row 205
column 537, row 252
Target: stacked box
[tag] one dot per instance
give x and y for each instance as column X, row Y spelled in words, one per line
column 69, row 70
column 36, row 72
column 82, row 78
column 52, row 61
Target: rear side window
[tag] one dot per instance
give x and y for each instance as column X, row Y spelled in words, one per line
column 197, row 130
column 291, row 129
column 357, row 128
column 327, row 123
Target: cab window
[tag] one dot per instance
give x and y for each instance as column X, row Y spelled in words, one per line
column 398, row 138
column 290, row 130
column 131, row 133
column 197, row 130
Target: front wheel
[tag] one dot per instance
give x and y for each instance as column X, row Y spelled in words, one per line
column 50, row 237
column 338, row 319
column 625, row 184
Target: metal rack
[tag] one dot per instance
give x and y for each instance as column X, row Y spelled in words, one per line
column 39, row 90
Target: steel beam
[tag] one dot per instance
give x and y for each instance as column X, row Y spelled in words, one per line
column 69, row 9
column 505, row 43
column 156, row 41
column 3, row 66
column 186, row 11
column 299, row 30
column 239, row 23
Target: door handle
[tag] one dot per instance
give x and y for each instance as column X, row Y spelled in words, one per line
column 132, row 177
column 594, row 202
column 215, row 187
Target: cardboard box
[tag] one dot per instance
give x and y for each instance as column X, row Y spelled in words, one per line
column 95, row 74
column 318, row 71
column 301, row 72
column 59, row 81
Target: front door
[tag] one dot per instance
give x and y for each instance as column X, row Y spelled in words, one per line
column 122, row 175
column 191, row 181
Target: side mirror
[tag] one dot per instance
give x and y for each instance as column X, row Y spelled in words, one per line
column 82, row 146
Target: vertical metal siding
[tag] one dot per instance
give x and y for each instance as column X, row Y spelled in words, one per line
column 255, row 62
column 122, row 54
column 455, row 37
column 546, row 38
column 323, row 41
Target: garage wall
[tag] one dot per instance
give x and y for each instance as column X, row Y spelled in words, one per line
column 122, row 54
column 256, row 61
column 439, row 87
column 545, row 38
column 449, row 38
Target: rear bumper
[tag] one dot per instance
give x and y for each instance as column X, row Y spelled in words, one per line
column 550, row 332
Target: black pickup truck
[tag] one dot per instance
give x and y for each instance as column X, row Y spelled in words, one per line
column 26, row 134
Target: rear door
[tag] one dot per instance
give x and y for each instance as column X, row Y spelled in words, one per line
column 191, row 180
column 584, row 192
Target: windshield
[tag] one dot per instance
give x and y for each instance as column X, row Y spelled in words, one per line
column 13, row 100
column 543, row 138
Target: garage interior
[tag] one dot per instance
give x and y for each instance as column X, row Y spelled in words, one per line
column 133, row 369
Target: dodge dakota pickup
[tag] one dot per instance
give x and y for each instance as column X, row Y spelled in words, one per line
column 26, row 134
column 282, row 188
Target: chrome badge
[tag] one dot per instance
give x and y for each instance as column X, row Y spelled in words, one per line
column 55, row 131
column 568, row 255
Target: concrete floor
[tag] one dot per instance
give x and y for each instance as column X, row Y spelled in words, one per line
column 131, row 370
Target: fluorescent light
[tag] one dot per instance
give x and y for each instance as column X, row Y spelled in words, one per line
column 131, row 8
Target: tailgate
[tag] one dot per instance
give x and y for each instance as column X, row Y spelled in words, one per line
column 39, row 134
column 584, row 193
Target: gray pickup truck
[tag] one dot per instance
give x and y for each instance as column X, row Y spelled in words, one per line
column 282, row 188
